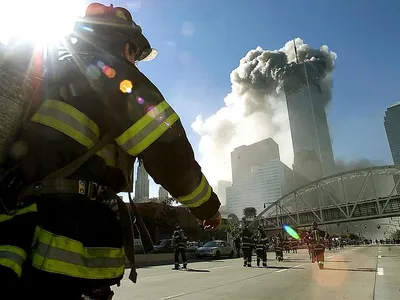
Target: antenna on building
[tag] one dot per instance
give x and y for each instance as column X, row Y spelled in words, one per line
column 295, row 51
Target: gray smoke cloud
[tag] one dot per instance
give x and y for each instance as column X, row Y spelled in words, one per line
column 256, row 107
column 343, row 165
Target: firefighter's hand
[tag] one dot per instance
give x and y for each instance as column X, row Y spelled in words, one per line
column 213, row 223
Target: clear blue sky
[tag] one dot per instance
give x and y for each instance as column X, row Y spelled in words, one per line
column 194, row 64
column 193, row 71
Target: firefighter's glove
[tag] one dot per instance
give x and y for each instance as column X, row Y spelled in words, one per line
column 213, row 223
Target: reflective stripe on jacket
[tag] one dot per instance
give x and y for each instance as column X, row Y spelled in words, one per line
column 65, row 118
column 58, row 254
column 12, row 257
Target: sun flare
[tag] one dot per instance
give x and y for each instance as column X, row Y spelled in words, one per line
column 40, row 21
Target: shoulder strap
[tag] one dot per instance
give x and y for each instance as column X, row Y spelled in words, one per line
column 77, row 163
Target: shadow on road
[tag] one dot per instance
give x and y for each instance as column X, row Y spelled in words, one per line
column 336, row 261
column 296, row 260
column 198, row 270
column 284, row 268
column 352, row 269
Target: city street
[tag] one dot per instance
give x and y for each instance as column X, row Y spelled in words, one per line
column 350, row 273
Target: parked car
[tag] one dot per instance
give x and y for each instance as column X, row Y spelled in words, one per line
column 163, row 246
column 216, row 249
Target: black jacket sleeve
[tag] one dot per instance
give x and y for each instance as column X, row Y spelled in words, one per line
column 151, row 130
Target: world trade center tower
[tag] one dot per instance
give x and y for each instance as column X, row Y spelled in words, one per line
column 312, row 148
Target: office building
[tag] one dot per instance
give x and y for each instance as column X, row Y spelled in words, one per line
column 245, row 157
column 162, row 193
column 142, row 184
column 308, row 123
column 265, row 184
column 221, row 190
column 392, row 126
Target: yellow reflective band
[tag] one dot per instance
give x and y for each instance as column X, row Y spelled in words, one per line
column 68, row 120
column 57, row 254
column 109, row 154
column 73, row 112
column 12, row 257
column 148, row 129
column 199, row 196
column 28, row 209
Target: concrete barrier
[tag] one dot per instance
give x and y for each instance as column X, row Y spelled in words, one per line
column 158, row 259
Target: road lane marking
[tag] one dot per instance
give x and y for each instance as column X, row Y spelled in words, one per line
column 380, row 271
column 290, row 268
column 173, row 296
column 331, row 256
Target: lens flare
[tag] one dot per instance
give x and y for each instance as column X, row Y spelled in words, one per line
column 126, row 86
column 290, row 231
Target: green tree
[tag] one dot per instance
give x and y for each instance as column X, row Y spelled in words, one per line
column 249, row 213
column 353, row 236
column 395, row 235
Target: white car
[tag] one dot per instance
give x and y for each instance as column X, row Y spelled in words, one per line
column 216, row 249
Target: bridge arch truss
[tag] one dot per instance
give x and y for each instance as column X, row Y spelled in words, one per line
column 362, row 194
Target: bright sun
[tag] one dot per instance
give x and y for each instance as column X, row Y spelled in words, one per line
column 40, row 21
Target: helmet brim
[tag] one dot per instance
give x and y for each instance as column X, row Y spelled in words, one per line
column 149, row 55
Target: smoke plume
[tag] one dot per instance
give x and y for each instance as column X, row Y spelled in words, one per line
column 256, row 107
column 343, row 166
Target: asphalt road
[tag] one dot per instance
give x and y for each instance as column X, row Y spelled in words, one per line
column 365, row 272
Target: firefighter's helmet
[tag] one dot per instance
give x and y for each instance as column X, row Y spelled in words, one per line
column 109, row 28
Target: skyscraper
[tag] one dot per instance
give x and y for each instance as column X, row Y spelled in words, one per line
column 221, row 190
column 265, row 184
column 142, row 184
column 312, row 148
column 162, row 193
column 392, row 126
column 243, row 158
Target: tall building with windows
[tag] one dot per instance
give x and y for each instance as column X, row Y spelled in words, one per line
column 221, row 190
column 245, row 157
column 265, row 184
column 142, row 184
column 259, row 177
column 162, row 193
column 312, row 148
column 392, row 126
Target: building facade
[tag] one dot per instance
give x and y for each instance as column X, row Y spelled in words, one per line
column 162, row 193
column 142, row 184
column 221, row 190
column 392, row 127
column 265, row 184
column 308, row 123
column 245, row 157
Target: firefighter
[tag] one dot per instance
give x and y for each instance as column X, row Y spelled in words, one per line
column 279, row 244
column 179, row 242
column 94, row 97
column 317, row 239
column 261, row 240
column 237, row 245
column 247, row 245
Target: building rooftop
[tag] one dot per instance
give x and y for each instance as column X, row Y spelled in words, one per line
column 396, row 104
